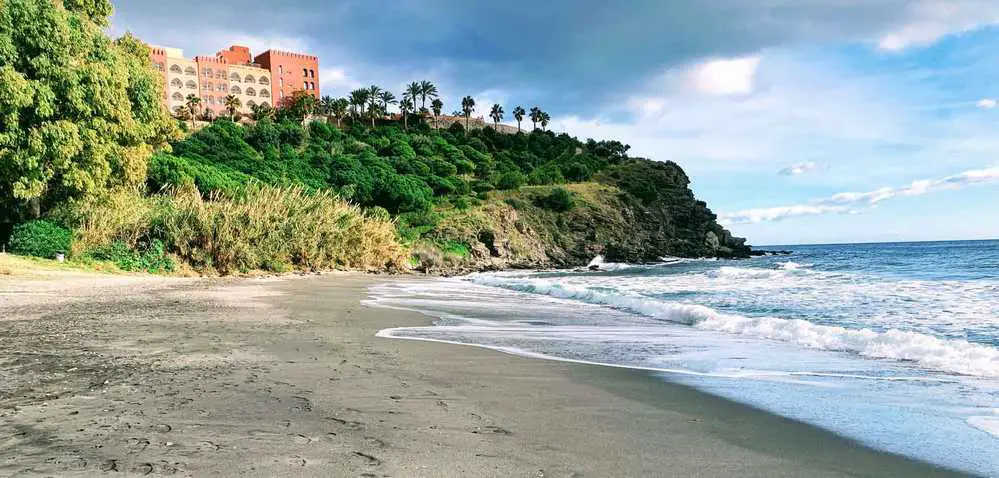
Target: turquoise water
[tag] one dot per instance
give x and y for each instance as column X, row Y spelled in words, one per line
column 894, row 345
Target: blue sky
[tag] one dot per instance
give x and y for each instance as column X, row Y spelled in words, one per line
column 798, row 121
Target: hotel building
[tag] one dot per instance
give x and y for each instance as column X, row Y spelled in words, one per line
column 265, row 79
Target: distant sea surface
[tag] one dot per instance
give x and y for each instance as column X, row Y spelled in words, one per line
column 894, row 345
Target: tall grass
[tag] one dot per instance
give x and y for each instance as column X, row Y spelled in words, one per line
column 266, row 228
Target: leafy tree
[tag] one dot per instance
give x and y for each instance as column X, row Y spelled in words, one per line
column 232, row 105
column 78, row 112
column 467, row 107
column 325, row 107
column 496, row 113
column 518, row 114
column 299, row 106
column 374, row 103
column 262, row 112
column 545, row 118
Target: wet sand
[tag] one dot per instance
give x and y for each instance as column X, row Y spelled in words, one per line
column 285, row 377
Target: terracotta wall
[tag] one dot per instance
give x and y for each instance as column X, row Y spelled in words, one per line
column 236, row 55
column 290, row 72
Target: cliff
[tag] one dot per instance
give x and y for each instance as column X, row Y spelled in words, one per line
column 637, row 211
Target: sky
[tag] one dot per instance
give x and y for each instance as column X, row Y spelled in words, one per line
column 798, row 121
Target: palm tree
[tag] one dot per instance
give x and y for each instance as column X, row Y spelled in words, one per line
column 467, row 107
column 232, row 105
column 437, row 106
column 427, row 90
column 192, row 103
column 497, row 115
column 545, row 119
column 339, row 109
column 414, row 90
column 387, row 98
column 519, row 113
column 358, row 98
column 326, row 107
column 535, row 116
column 406, row 105
column 374, row 101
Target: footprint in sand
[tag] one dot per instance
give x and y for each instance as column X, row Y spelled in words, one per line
column 108, row 465
column 162, row 428
column 297, row 461
column 492, row 430
column 208, row 446
column 374, row 442
column 369, row 460
column 301, row 439
column 136, row 445
column 346, row 424
column 301, row 404
column 142, row 469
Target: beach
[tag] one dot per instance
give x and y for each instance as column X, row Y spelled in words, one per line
column 140, row 375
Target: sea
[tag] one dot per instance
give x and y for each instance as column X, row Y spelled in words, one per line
column 894, row 345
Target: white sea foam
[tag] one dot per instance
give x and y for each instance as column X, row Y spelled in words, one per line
column 928, row 352
column 986, row 424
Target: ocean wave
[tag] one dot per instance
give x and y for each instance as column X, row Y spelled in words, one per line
column 926, row 351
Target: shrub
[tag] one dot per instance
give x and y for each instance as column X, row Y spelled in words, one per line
column 559, row 200
column 510, row 180
column 40, row 238
column 150, row 258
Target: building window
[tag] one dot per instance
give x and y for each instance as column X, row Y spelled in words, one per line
column 305, row 86
column 264, row 80
column 235, row 77
column 312, row 85
column 220, row 75
column 235, row 90
column 250, row 104
column 264, row 104
column 250, row 79
column 264, row 93
column 282, row 82
column 312, row 73
column 191, row 85
column 281, row 69
column 305, row 72
column 176, row 83
column 175, row 69
column 207, row 72
column 190, row 71
column 251, row 92
column 178, row 97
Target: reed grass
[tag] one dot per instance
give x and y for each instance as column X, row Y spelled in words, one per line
column 269, row 228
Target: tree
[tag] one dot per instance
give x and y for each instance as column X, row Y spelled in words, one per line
column 467, row 107
column 261, row 112
column 427, row 90
column 545, row 119
column 358, row 99
column 339, row 109
column 387, row 98
column 78, row 112
column 374, row 102
column 518, row 114
column 437, row 106
column 496, row 113
column 405, row 107
column 193, row 104
column 413, row 91
column 535, row 116
column 300, row 105
column 325, row 107
column 232, row 105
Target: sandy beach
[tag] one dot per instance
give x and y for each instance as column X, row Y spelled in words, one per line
column 134, row 375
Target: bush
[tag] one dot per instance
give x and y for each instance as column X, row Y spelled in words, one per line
column 559, row 200
column 151, row 258
column 40, row 238
column 510, row 180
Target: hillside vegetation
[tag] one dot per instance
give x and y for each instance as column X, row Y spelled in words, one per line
column 91, row 162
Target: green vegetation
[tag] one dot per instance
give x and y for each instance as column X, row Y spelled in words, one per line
column 40, row 238
column 314, row 184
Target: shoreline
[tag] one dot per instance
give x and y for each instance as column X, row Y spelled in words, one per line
column 278, row 377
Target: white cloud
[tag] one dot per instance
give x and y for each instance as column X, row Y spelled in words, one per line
column 725, row 77
column 798, row 168
column 846, row 202
column 926, row 21
column 987, row 103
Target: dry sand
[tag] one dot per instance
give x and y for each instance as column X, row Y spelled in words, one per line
column 284, row 377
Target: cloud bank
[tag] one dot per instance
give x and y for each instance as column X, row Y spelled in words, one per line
column 798, row 168
column 850, row 202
